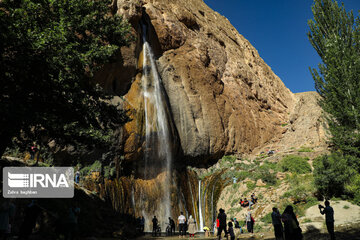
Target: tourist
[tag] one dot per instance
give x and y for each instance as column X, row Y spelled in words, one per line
column 291, row 225
column 33, row 150
column 142, row 224
column 246, row 202
column 222, row 222
column 172, row 226
column 77, row 177
column 192, row 227
column 250, row 222
column 182, row 226
column 253, row 198
column 155, row 226
column 276, row 221
column 231, row 231
column 207, row 231
column 251, row 203
column 329, row 218
column 241, row 202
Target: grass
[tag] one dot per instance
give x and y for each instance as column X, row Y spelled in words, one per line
column 305, row 149
column 346, row 207
column 267, row 218
column 295, row 164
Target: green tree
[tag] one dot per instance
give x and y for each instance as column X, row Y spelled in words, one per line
column 50, row 50
column 333, row 173
column 335, row 35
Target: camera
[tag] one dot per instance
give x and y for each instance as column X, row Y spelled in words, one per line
column 321, row 206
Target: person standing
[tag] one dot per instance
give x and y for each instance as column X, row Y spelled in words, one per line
column 222, row 222
column 249, row 222
column 231, row 231
column 142, row 224
column 155, row 226
column 181, row 223
column 291, row 224
column 329, row 218
column 192, row 226
column 276, row 221
column 77, row 177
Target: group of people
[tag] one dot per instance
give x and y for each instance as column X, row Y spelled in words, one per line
column 228, row 228
column 248, row 203
column 183, row 223
column 291, row 229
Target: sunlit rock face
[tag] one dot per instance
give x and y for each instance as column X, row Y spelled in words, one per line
column 219, row 97
column 223, row 97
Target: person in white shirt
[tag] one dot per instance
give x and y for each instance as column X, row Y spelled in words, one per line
column 181, row 222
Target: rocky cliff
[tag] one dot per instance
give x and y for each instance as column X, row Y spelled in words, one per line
column 223, row 97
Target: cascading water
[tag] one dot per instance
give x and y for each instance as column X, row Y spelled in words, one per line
column 157, row 125
column 200, row 209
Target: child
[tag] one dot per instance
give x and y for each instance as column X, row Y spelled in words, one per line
column 231, row 231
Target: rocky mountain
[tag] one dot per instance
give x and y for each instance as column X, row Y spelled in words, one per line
column 223, row 97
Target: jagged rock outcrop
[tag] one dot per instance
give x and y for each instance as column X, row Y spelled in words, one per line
column 223, row 96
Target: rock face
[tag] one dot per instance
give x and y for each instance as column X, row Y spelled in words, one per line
column 222, row 95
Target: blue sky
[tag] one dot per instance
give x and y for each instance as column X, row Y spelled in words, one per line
column 277, row 29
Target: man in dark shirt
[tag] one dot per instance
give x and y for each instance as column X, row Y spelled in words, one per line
column 222, row 222
column 329, row 218
column 155, row 225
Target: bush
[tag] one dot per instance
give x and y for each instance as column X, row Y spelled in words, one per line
column 305, row 149
column 301, row 188
column 96, row 166
column 332, row 173
column 295, row 164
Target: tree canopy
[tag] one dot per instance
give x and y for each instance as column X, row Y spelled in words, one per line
column 335, row 35
column 50, row 50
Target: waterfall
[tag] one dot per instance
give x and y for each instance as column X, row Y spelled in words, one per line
column 157, row 126
column 193, row 201
column 200, row 209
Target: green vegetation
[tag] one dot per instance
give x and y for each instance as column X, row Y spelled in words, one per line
column 95, row 167
column 337, row 175
column 305, row 149
column 346, row 207
column 301, row 188
column 335, row 35
column 295, row 164
column 267, row 218
column 50, row 51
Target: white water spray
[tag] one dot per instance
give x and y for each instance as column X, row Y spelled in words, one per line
column 200, row 209
column 157, row 133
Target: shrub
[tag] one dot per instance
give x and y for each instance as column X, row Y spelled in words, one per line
column 295, row 164
column 305, row 149
column 250, row 186
column 96, row 166
column 332, row 173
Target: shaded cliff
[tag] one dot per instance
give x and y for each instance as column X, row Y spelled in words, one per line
column 222, row 95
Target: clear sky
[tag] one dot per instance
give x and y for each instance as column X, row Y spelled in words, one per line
column 277, row 29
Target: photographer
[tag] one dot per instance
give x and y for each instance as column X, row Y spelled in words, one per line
column 329, row 218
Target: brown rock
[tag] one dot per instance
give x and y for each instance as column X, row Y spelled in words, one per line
column 223, row 96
